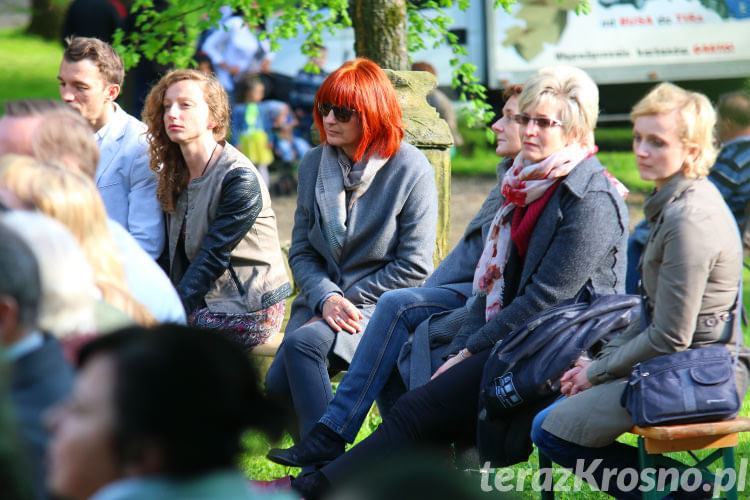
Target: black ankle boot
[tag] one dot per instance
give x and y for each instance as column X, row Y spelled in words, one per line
column 320, row 446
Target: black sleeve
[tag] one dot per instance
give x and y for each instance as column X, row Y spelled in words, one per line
column 240, row 203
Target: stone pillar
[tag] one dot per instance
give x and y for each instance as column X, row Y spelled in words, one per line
column 431, row 134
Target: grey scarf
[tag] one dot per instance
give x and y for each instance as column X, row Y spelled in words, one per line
column 337, row 177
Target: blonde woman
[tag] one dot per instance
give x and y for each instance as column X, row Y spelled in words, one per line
column 72, row 199
column 69, row 294
column 690, row 268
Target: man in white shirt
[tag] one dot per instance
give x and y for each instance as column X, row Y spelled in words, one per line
column 235, row 49
column 90, row 77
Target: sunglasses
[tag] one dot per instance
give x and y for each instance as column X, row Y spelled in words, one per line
column 342, row 115
column 542, row 122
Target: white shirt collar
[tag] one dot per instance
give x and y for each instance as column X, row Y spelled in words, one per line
column 100, row 134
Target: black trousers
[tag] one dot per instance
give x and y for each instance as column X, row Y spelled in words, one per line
column 440, row 412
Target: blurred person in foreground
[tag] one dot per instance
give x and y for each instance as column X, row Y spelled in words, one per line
column 68, row 304
column 55, row 134
column 72, row 199
column 158, row 415
column 40, row 377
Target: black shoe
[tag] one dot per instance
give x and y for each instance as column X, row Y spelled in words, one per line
column 311, row 486
column 320, row 446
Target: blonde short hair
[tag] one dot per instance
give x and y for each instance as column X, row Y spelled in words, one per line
column 68, row 291
column 572, row 88
column 695, row 122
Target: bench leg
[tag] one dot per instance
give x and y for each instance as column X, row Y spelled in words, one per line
column 729, row 463
column 646, row 461
column 546, row 463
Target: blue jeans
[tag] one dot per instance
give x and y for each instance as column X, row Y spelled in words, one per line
column 567, row 454
column 397, row 314
column 636, row 243
column 299, row 378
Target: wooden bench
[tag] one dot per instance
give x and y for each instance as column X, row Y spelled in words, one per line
column 722, row 437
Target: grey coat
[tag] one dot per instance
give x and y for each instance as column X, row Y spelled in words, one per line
column 390, row 237
column 417, row 360
column 580, row 235
column 691, row 266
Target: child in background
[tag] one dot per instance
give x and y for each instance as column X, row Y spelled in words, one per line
column 249, row 125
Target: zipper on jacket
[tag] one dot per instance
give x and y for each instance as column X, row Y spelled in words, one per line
column 236, row 280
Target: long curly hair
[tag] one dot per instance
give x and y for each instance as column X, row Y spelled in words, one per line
column 166, row 157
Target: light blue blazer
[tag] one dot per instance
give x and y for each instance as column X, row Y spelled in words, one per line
column 126, row 183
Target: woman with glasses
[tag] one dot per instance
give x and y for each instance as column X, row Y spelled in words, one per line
column 439, row 302
column 691, row 267
column 365, row 223
column 562, row 223
column 223, row 250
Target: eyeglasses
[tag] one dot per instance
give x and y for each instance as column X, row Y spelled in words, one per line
column 342, row 115
column 541, row 121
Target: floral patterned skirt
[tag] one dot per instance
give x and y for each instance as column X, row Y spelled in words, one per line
column 247, row 330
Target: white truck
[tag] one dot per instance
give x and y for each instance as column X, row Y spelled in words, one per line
column 625, row 45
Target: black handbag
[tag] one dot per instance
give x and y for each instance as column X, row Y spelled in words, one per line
column 525, row 367
column 696, row 385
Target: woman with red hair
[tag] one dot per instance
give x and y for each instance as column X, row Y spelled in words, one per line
column 365, row 224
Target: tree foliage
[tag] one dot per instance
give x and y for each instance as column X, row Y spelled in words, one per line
column 167, row 32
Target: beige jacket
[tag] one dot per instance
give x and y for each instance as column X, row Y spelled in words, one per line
column 690, row 268
column 231, row 241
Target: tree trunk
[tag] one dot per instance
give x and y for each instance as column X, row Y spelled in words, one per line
column 47, row 18
column 380, row 32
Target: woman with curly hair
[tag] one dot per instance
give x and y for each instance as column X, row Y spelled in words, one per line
column 223, row 248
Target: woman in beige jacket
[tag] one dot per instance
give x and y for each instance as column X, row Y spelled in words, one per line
column 691, row 267
column 223, row 252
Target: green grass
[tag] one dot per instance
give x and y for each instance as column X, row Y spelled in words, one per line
column 29, row 65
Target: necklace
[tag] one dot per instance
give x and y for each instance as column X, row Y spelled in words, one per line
column 209, row 159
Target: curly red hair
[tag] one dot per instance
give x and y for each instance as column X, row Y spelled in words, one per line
column 361, row 85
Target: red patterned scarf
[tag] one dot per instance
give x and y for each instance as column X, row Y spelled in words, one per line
column 522, row 185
